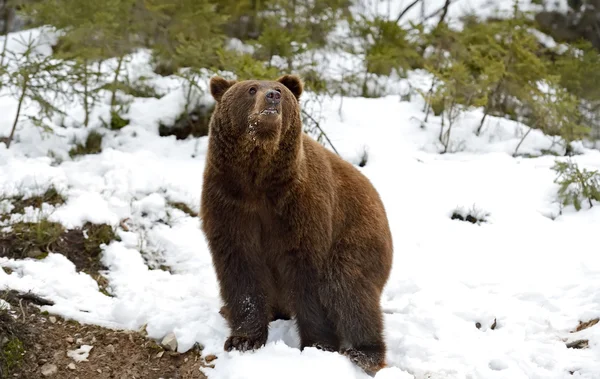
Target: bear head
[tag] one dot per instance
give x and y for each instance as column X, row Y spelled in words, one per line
column 260, row 110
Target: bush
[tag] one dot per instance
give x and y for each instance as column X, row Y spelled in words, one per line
column 576, row 185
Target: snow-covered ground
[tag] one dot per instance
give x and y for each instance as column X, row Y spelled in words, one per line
column 532, row 272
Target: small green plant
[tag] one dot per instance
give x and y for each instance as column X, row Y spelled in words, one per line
column 13, row 352
column 457, row 92
column 576, row 185
column 12, row 349
column 51, row 196
column 93, row 145
column 97, row 235
column 38, row 235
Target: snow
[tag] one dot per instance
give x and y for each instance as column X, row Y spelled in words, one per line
column 80, row 354
column 391, row 9
column 530, row 271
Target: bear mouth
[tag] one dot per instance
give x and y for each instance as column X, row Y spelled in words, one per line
column 269, row 111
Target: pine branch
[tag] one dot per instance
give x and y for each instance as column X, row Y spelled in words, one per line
column 405, row 10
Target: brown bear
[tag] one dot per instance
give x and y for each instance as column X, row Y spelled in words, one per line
column 293, row 229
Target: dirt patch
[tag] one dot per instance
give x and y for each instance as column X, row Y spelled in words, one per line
column 582, row 343
column 184, row 208
column 51, row 196
column 35, row 240
column 82, row 246
column 46, row 341
column 586, row 325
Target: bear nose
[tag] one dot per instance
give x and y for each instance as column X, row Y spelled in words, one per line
column 273, row 97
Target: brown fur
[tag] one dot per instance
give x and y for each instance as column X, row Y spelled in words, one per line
column 293, row 229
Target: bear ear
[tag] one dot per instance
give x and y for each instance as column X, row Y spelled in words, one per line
column 293, row 83
column 218, row 87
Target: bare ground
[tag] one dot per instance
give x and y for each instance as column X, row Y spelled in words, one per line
column 34, row 344
column 46, row 339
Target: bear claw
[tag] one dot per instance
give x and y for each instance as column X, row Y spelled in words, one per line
column 242, row 343
column 324, row 347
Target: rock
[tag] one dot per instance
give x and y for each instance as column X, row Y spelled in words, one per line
column 52, row 319
column 111, row 348
column 34, row 253
column 70, row 339
column 72, row 366
column 199, row 346
column 210, row 358
column 169, row 342
column 142, row 330
column 49, row 369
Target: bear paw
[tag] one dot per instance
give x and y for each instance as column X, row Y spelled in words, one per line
column 370, row 361
column 324, row 347
column 244, row 343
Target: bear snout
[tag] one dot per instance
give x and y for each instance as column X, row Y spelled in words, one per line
column 273, row 97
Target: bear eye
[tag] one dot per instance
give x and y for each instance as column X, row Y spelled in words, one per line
column 278, row 90
column 252, row 91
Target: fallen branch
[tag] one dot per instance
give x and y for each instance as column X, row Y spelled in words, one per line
column 29, row 297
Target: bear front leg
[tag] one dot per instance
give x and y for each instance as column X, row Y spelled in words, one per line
column 245, row 299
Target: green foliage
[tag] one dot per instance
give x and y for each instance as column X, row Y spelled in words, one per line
column 117, row 122
column 37, row 235
column 13, row 352
column 455, row 90
column 184, row 33
column 557, row 112
column 387, row 47
column 98, row 235
column 507, row 57
column 245, row 66
column 93, row 30
column 578, row 70
column 34, row 79
column 496, row 64
column 576, row 185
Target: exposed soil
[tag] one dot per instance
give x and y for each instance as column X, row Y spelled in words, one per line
column 583, row 325
column 46, row 339
column 81, row 246
column 34, row 344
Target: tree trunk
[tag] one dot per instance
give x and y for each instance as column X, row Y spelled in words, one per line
column 16, row 121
